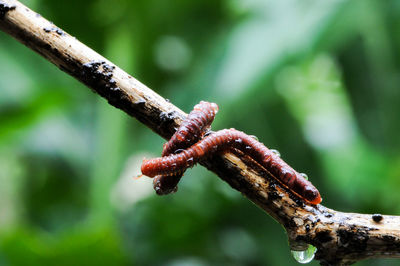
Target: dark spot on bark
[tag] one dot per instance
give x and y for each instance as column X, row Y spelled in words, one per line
column 389, row 238
column 272, row 185
column 307, row 228
column 292, row 224
column 328, row 215
column 166, row 117
column 323, row 237
column 377, row 217
column 302, row 238
column 356, row 239
column 108, row 68
column 344, row 237
column 60, row 32
column 296, row 199
column 113, row 84
column 99, row 75
column 55, row 29
column 4, row 8
column 273, row 195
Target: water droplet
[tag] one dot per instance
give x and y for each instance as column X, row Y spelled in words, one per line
column 254, row 137
column 304, row 256
column 304, row 175
column 239, row 141
column 277, row 153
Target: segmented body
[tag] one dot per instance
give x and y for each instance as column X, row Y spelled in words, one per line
column 224, row 140
column 191, row 130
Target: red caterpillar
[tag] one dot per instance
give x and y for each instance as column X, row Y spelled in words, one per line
column 191, row 130
column 224, row 140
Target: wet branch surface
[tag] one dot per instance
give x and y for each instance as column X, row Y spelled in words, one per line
column 341, row 238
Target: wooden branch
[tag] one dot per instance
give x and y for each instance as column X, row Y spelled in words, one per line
column 341, row 238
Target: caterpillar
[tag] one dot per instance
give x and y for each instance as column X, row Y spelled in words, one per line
column 224, row 140
column 191, row 130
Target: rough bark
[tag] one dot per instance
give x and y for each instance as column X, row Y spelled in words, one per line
column 341, row 238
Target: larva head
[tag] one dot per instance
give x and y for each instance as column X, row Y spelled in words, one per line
column 311, row 194
column 148, row 168
column 215, row 107
column 206, row 105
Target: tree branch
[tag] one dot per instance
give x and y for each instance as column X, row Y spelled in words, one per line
column 341, row 238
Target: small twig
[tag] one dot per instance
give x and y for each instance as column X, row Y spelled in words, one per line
column 341, row 238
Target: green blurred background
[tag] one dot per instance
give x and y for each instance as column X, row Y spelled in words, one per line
column 317, row 80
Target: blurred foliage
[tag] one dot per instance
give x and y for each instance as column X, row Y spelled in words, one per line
column 318, row 80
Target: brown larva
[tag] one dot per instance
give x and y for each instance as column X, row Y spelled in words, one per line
column 191, row 130
column 224, row 140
